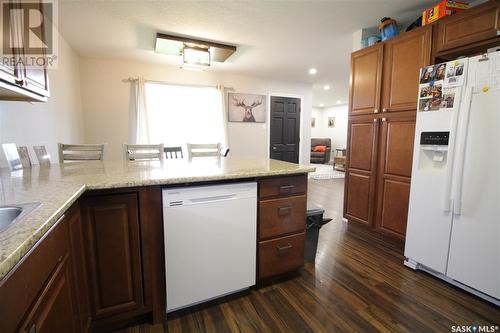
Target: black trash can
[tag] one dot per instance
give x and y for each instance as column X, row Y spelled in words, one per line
column 314, row 222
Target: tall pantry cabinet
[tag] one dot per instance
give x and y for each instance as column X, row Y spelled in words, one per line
column 382, row 112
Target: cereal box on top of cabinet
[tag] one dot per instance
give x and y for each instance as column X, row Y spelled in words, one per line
column 442, row 9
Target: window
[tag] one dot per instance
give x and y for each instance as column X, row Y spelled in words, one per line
column 184, row 114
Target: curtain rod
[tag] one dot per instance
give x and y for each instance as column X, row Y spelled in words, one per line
column 132, row 79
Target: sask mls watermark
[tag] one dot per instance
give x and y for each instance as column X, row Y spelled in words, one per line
column 474, row 328
column 29, row 33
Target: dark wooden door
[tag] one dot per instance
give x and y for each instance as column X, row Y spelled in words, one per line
column 285, row 129
column 361, row 168
column 395, row 165
column 53, row 311
column 474, row 25
column 113, row 253
column 366, row 76
column 403, row 58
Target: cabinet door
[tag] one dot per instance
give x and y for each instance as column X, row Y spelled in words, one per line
column 395, row 164
column 366, row 74
column 78, row 266
column 113, row 253
column 9, row 71
column 36, row 80
column 403, row 58
column 35, row 77
column 361, row 167
column 474, row 25
column 53, row 311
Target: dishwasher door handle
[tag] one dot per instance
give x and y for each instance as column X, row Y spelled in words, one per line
column 214, row 198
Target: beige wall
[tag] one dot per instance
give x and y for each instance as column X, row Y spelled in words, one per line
column 60, row 119
column 107, row 102
column 338, row 134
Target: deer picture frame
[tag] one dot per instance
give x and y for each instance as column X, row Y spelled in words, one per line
column 246, row 108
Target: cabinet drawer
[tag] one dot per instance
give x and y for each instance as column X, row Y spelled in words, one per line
column 282, row 216
column 282, row 186
column 281, row 255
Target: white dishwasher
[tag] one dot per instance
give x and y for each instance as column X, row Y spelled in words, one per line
column 210, row 241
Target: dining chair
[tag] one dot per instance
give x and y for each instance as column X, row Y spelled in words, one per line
column 204, row 149
column 24, row 156
column 80, row 152
column 42, row 156
column 173, row 152
column 134, row 152
column 12, row 156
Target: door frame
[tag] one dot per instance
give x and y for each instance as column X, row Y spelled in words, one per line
column 301, row 131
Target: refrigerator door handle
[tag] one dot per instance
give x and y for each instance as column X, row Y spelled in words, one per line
column 461, row 145
column 448, row 200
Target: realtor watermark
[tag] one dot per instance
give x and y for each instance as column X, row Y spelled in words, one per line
column 29, row 33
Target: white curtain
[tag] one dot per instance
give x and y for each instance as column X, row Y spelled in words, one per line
column 178, row 114
column 142, row 128
column 225, row 133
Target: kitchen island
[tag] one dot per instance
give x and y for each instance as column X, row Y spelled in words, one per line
column 83, row 192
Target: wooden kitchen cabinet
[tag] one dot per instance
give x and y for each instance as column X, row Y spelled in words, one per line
column 378, row 175
column 281, row 225
column 101, row 265
column 380, row 145
column 113, row 253
column 403, row 58
column 361, row 168
column 397, row 133
column 40, row 294
column 469, row 29
column 55, row 308
column 18, row 81
column 365, row 81
column 124, row 255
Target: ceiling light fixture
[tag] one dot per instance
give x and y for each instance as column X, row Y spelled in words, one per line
column 195, row 58
column 313, row 71
column 321, row 105
column 326, row 87
column 196, row 54
column 339, row 101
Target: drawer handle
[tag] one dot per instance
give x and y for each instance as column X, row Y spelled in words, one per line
column 283, row 211
column 286, row 188
column 283, row 248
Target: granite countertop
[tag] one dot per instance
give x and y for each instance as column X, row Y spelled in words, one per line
column 59, row 186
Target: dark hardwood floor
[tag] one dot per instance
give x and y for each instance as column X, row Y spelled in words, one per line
column 358, row 284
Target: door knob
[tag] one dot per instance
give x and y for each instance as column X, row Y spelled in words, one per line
column 384, row 110
column 274, row 148
column 375, row 111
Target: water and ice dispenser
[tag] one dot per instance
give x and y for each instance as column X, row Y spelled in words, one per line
column 433, row 150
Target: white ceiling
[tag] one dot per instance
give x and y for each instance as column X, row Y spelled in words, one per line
column 275, row 39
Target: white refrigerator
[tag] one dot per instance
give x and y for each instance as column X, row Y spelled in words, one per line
column 453, row 229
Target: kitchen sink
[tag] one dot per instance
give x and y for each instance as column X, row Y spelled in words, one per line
column 13, row 213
